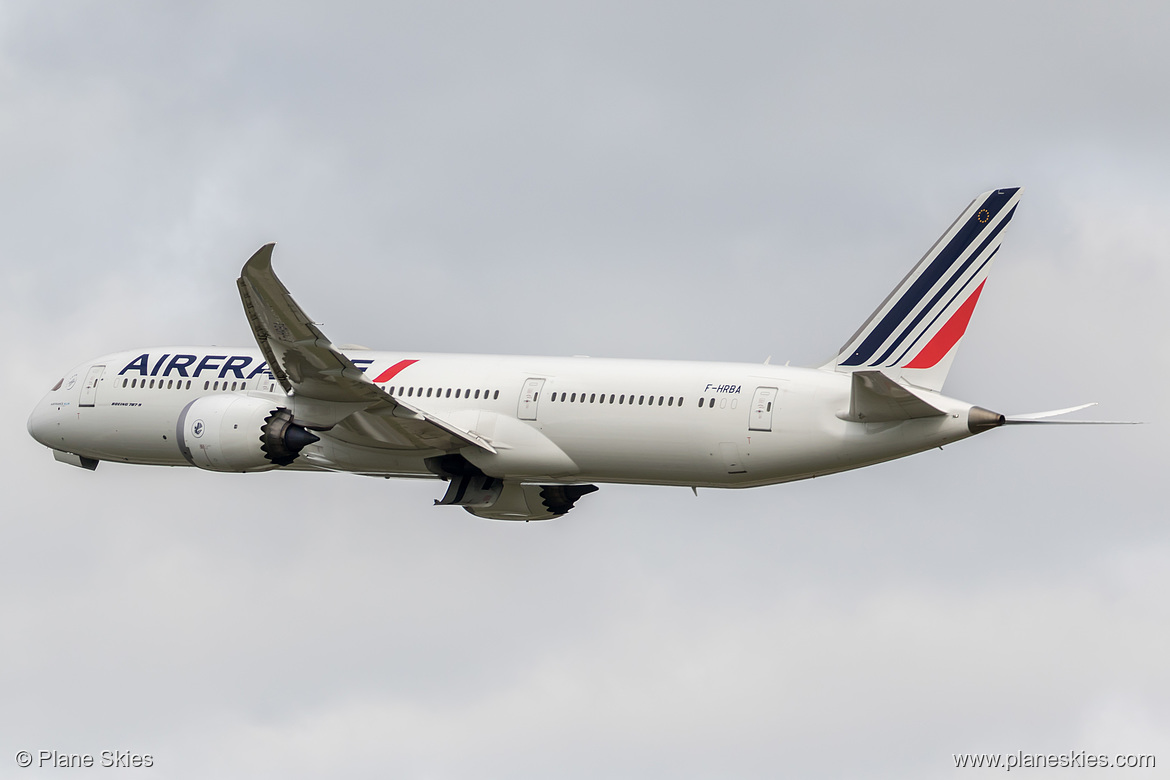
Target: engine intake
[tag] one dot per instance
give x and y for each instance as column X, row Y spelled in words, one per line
column 239, row 433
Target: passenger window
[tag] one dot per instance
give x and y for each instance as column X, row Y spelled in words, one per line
column 711, row 403
column 188, row 384
column 429, row 390
column 660, row 400
column 573, row 399
column 496, row 395
column 641, row 398
column 477, row 395
column 671, row 401
column 205, row 385
column 593, row 398
column 233, row 385
column 410, row 392
column 448, row 392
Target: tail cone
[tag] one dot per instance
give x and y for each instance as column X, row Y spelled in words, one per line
column 980, row 419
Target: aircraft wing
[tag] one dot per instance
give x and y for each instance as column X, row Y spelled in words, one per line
column 328, row 389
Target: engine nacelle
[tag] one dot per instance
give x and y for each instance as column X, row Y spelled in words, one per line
column 229, row 432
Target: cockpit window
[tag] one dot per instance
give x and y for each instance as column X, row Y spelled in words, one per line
column 57, row 386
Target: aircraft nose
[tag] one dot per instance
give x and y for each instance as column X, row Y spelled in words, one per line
column 41, row 424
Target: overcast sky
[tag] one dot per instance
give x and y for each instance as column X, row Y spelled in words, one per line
column 724, row 181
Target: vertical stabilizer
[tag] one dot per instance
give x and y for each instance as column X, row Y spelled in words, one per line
column 914, row 334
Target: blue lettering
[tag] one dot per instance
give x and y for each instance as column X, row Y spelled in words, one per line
column 261, row 369
column 712, row 388
column 235, row 365
column 139, row 363
column 158, row 365
column 362, row 364
column 179, row 364
column 206, row 363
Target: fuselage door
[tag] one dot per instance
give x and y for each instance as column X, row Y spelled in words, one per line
column 89, row 389
column 529, row 398
column 763, row 402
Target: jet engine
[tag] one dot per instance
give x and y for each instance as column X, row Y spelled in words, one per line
column 239, row 433
column 499, row 499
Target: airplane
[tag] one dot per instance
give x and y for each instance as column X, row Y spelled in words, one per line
column 523, row 438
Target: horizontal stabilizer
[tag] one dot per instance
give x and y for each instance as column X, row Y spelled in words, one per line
column 877, row 398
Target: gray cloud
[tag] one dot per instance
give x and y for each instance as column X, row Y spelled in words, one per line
column 650, row 180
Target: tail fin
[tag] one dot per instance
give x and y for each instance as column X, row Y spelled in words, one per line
column 914, row 334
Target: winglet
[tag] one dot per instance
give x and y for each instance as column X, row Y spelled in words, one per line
column 1041, row 418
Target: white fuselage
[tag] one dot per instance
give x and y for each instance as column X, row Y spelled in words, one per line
column 551, row 420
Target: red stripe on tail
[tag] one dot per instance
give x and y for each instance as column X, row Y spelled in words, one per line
column 948, row 335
